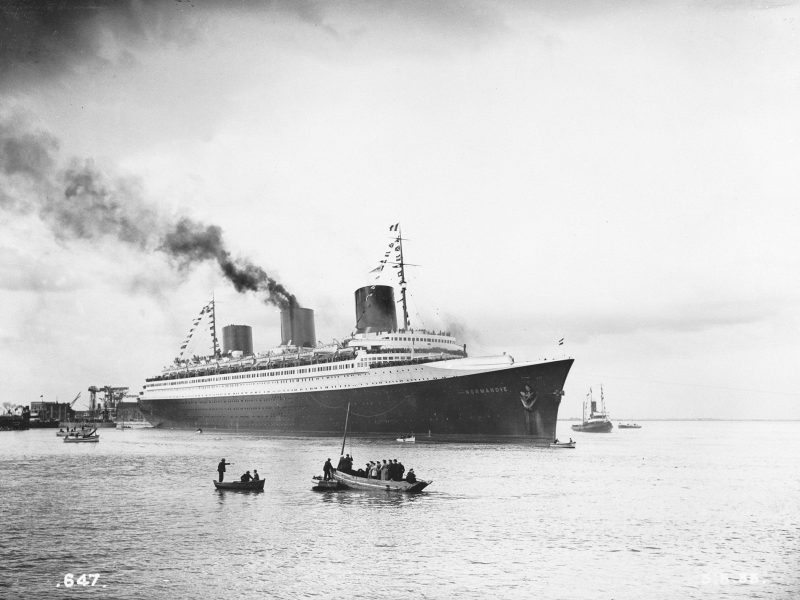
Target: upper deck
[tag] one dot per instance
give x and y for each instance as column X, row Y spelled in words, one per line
column 362, row 352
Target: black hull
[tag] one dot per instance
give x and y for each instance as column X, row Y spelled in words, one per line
column 241, row 486
column 605, row 427
column 519, row 402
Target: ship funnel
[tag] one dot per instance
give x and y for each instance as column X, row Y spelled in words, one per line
column 594, row 406
column 375, row 309
column 297, row 327
column 237, row 338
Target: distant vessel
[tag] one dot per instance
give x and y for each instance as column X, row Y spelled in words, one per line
column 397, row 379
column 595, row 421
column 629, row 426
column 83, row 429
column 78, row 437
column 557, row 444
column 407, row 438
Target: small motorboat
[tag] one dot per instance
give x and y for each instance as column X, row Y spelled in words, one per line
column 557, row 444
column 324, row 485
column 629, row 426
column 241, row 486
column 408, row 438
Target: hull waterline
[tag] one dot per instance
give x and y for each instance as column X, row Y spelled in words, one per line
column 518, row 403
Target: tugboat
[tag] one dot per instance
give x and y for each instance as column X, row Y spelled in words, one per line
column 596, row 421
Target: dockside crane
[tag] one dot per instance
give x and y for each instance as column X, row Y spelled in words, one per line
column 113, row 395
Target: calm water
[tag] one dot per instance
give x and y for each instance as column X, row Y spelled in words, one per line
column 673, row 510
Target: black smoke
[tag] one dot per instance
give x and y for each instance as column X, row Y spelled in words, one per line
column 189, row 242
column 82, row 202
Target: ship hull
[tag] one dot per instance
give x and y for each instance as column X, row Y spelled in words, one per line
column 519, row 402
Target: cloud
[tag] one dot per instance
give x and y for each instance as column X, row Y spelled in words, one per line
column 54, row 39
column 19, row 273
column 81, row 202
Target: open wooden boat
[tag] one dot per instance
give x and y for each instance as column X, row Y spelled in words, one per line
column 379, row 485
column 407, row 439
column 75, row 431
column 74, row 439
column 562, row 445
column 241, row 486
column 348, row 481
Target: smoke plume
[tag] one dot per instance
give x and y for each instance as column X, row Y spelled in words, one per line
column 189, row 242
column 80, row 202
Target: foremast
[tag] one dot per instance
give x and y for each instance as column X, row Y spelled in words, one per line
column 403, row 284
column 397, row 263
column 209, row 310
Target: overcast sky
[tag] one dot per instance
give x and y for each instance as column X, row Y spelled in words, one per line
column 623, row 175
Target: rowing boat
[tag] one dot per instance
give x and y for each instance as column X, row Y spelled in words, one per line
column 74, row 439
column 562, row 445
column 349, row 481
column 241, row 486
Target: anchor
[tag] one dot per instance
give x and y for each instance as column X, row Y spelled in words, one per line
column 528, row 398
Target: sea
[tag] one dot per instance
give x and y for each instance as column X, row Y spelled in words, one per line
column 676, row 509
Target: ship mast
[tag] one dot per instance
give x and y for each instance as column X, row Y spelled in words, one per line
column 208, row 308
column 214, row 328
column 402, row 279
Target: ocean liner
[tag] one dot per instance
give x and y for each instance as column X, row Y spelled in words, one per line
column 396, row 379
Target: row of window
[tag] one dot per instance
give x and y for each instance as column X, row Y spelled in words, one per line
column 309, row 389
column 417, row 339
column 279, row 373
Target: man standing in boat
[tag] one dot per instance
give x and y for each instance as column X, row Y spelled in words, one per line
column 221, row 469
column 327, row 469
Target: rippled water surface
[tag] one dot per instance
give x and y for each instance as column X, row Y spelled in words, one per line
column 674, row 510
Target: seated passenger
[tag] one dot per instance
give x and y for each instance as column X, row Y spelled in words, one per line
column 255, row 475
column 246, row 477
column 411, row 478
